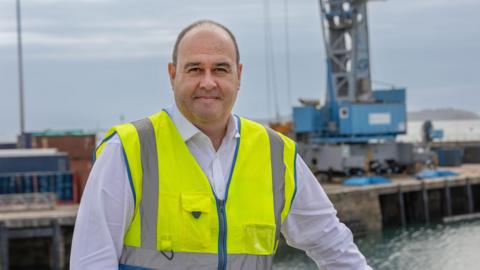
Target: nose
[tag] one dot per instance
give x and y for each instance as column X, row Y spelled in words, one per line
column 208, row 81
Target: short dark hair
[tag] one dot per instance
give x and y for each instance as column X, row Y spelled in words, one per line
column 197, row 24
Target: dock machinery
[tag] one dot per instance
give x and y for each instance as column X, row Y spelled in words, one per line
column 354, row 130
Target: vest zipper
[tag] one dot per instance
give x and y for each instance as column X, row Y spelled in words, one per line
column 222, row 219
column 222, row 236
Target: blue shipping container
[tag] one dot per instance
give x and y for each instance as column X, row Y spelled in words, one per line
column 60, row 183
column 48, row 163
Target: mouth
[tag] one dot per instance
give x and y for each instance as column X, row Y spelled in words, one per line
column 206, row 97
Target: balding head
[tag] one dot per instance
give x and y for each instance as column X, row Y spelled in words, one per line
column 198, row 24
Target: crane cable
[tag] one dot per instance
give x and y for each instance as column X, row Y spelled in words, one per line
column 267, row 59
column 271, row 81
column 287, row 54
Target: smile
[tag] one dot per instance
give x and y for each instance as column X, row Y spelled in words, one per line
column 206, row 97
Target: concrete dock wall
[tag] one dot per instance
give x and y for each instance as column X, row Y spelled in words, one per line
column 405, row 201
column 359, row 210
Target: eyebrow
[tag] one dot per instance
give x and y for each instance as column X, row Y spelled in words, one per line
column 197, row 64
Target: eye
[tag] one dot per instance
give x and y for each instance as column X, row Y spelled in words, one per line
column 193, row 70
column 221, row 70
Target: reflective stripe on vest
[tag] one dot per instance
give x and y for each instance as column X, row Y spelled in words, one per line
column 137, row 258
column 155, row 251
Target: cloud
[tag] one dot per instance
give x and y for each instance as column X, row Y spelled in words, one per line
column 108, row 29
column 109, row 39
column 8, row 38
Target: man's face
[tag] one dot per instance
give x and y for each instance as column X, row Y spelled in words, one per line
column 206, row 77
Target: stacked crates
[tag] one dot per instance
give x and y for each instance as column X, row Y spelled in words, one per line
column 451, row 157
column 60, row 183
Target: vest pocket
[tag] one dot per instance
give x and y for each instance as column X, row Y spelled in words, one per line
column 259, row 238
column 197, row 221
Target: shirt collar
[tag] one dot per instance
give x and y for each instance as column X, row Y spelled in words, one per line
column 187, row 130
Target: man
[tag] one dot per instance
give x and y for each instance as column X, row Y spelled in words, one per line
column 194, row 187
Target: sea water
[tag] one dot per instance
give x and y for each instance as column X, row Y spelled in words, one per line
column 426, row 247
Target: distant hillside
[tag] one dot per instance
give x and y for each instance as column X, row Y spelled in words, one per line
column 442, row 114
column 422, row 115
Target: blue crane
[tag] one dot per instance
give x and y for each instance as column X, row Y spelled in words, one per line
column 338, row 134
column 352, row 112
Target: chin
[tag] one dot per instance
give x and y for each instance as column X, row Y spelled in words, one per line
column 207, row 117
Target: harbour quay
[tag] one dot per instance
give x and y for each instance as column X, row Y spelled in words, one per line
column 407, row 200
column 37, row 239
column 43, row 237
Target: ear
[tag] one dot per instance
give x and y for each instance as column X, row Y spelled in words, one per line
column 172, row 72
column 239, row 74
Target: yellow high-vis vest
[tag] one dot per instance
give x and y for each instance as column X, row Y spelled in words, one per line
column 179, row 223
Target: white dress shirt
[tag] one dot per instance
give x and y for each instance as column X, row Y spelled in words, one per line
column 107, row 205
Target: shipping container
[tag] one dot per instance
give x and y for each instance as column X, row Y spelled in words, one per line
column 33, row 160
column 82, row 169
column 60, row 183
column 451, row 157
column 79, row 146
column 8, row 145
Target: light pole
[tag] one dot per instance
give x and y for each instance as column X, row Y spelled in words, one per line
column 20, row 77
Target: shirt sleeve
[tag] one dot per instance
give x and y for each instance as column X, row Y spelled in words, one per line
column 312, row 225
column 105, row 212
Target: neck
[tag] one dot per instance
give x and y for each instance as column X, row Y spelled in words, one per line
column 215, row 132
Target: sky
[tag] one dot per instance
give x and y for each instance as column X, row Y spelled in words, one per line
column 91, row 64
